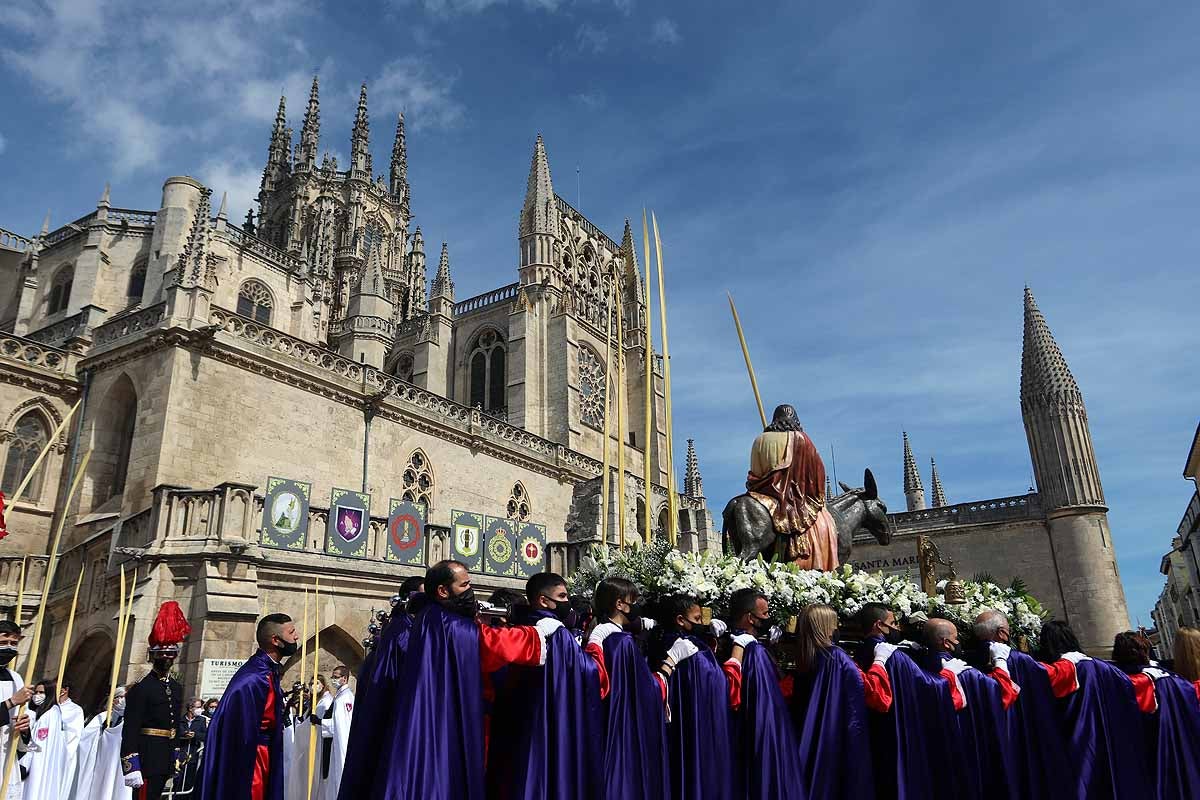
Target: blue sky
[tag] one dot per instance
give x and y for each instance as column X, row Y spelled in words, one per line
column 874, row 183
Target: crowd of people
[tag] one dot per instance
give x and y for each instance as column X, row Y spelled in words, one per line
column 544, row 696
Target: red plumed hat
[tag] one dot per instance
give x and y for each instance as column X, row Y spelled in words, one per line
column 170, row 628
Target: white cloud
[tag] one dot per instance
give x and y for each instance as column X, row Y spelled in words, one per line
column 590, row 39
column 665, row 31
column 234, row 174
column 448, row 8
column 411, row 85
column 594, row 99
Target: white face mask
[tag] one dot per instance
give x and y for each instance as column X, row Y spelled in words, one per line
column 39, row 698
column 197, row 711
column 119, row 704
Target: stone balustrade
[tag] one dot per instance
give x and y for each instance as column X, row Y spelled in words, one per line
column 73, row 327
column 504, row 293
column 14, row 241
column 30, row 353
column 249, row 242
column 567, row 208
column 1003, row 509
column 70, row 230
column 128, row 324
column 132, row 216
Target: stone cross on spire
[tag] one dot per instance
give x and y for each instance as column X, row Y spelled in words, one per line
column 693, row 484
column 914, row 492
column 939, row 494
column 310, row 133
column 360, row 138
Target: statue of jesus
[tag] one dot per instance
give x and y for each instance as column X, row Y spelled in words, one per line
column 788, row 477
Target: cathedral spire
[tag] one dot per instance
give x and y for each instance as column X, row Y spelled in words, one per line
column 828, row 488
column 914, row 492
column 310, row 133
column 540, row 211
column 693, row 484
column 399, row 171
column 277, row 153
column 371, row 280
column 418, row 279
column 194, row 263
column 1044, row 371
column 939, row 494
column 442, row 285
column 632, row 274
column 360, row 138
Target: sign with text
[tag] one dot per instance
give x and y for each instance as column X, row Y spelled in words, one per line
column 406, row 532
column 285, row 513
column 216, row 674
column 349, row 523
column 466, row 538
column 500, row 538
column 890, row 565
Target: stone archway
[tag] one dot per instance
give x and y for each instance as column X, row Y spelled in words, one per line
column 89, row 670
column 337, row 647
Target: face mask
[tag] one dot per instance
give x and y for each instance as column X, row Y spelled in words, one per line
column 197, row 711
column 894, row 636
column 39, row 698
column 162, row 665
column 464, row 604
column 956, row 651
column 211, row 711
column 762, row 626
column 119, row 704
column 700, row 630
column 7, row 654
column 288, row 649
column 565, row 614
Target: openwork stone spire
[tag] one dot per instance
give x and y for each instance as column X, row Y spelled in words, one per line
column 914, row 492
column 1044, row 371
column 399, row 171
column 310, row 133
column 693, row 484
column 417, row 275
column 632, row 274
column 442, row 285
column 279, row 150
column 371, row 281
column 195, row 261
column 828, row 488
column 540, row 213
column 939, row 494
column 360, row 139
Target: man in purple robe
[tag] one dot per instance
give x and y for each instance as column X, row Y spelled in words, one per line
column 243, row 757
column 437, row 748
column 547, row 719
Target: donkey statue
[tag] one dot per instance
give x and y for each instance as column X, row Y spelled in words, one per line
column 748, row 532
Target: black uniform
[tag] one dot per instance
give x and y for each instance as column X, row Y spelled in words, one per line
column 153, row 709
column 192, row 752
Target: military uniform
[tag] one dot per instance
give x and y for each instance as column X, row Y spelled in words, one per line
column 153, row 710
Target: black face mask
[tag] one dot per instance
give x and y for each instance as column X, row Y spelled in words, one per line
column 894, row 636
column 762, row 626
column 163, row 665
column 701, row 631
column 7, row 654
column 565, row 614
column 464, row 604
column 288, row 649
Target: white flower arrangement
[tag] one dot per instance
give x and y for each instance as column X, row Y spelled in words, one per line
column 659, row 570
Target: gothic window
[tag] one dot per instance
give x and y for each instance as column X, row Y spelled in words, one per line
column 60, row 290
column 663, row 516
column 28, row 438
column 518, row 503
column 137, row 282
column 488, row 379
column 641, row 519
column 114, row 432
column 418, row 480
column 592, row 388
column 254, row 301
column 403, row 368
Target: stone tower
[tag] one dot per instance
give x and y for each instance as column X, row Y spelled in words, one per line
column 1068, row 482
column 538, row 231
column 914, row 492
column 935, row 480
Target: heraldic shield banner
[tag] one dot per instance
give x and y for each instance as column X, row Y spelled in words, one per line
column 406, row 532
column 349, row 523
column 466, row 534
column 500, row 537
column 531, row 550
column 285, row 513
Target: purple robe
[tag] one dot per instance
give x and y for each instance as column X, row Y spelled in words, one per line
column 830, row 710
column 1174, row 759
column 983, row 724
column 698, row 731
column 765, row 747
column 1105, row 735
column 635, row 736
column 435, row 749
column 546, row 722
column 374, row 698
column 1040, row 763
column 235, row 733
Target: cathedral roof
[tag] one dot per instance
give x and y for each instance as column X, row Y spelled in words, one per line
column 1043, row 368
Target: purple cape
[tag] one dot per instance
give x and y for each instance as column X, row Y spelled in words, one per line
column 1176, row 764
column 546, row 726
column 698, row 732
column 765, row 747
column 919, row 735
column 435, row 749
column 1040, row 770
column 1104, row 732
column 984, row 728
column 635, row 739
column 830, row 710
column 374, row 698
column 234, row 735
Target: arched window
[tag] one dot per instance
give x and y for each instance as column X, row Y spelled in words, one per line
column 403, row 367
column 663, row 516
column 60, row 290
column 488, row 379
column 641, row 519
column 254, row 301
column 518, row 503
column 116, row 425
column 593, row 389
column 28, row 438
column 418, row 479
column 137, row 282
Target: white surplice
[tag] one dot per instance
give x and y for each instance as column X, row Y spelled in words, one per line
column 337, row 729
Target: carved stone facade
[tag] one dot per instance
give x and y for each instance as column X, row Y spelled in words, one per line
column 207, row 356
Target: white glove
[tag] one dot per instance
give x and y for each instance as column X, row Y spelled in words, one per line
column 719, row 628
column 775, row 634
column 682, row 650
column 648, row 624
column 134, row 780
column 602, row 632
column 999, row 651
column 1155, row 673
column 546, row 626
column 1075, row 658
column 744, row 639
column 883, row 651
